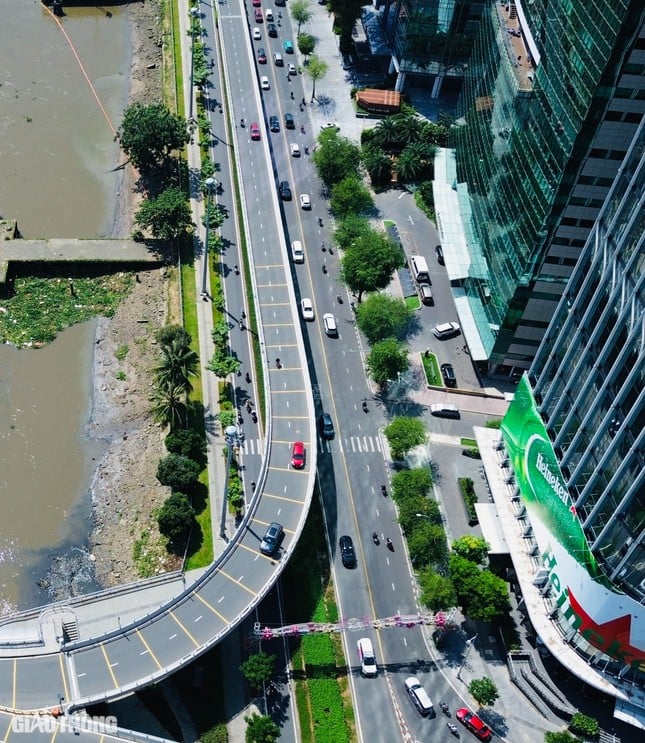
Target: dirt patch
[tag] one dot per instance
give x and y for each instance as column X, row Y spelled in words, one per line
column 125, row 490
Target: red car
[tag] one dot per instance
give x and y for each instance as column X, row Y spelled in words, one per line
column 255, row 131
column 262, row 57
column 474, row 724
column 298, row 455
column 259, row 18
column 257, row 3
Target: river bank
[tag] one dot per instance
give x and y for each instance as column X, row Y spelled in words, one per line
column 124, row 489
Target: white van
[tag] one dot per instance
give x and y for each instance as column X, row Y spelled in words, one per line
column 444, row 410
column 419, row 696
column 366, row 657
column 297, row 252
column 419, row 269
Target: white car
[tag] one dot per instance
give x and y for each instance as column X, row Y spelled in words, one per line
column 269, row 15
column 264, row 83
column 297, row 252
column 328, row 125
column 305, row 202
column 446, row 330
column 292, row 69
column 329, row 322
column 257, row 34
column 307, row 307
column 294, row 149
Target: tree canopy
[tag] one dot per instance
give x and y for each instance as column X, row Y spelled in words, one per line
column 258, row 669
column 149, row 133
column 387, row 359
column 483, row 691
column 167, row 215
column 350, row 196
column 350, row 229
column 306, row 44
column 261, row 729
column 408, row 483
column 403, row 434
column 427, row 544
column 471, row 547
column 316, row 69
column 301, row 12
column 176, row 517
column 382, row 316
column 369, row 264
column 437, row 591
column 335, row 157
column 178, row 472
column 481, row 594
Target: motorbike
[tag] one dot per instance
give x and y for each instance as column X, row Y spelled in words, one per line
column 248, row 378
column 444, row 708
column 453, row 729
column 242, row 123
column 254, row 416
column 306, row 150
column 324, row 268
column 365, row 408
column 302, row 128
column 375, row 538
column 339, row 299
column 249, row 407
column 320, row 221
column 389, row 544
column 384, row 491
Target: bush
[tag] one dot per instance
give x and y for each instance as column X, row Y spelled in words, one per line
column 176, row 517
column 189, row 443
column 584, row 725
column 178, row 472
column 467, row 489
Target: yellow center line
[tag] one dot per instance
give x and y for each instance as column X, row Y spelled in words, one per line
column 283, row 497
column 109, row 667
column 147, row 647
column 212, row 608
column 194, row 641
column 64, row 676
column 237, row 582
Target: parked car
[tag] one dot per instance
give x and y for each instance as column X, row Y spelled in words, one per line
column 326, row 425
column 475, row 724
column 328, row 125
column 307, row 308
column 444, row 410
column 448, row 374
column 272, row 538
column 255, row 131
column 298, row 455
column 439, row 253
column 446, row 330
column 274, row 123
column 347, row 552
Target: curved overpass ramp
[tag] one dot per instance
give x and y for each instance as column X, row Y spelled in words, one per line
column 38, row 667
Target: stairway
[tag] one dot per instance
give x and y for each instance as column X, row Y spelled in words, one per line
column 70, row 631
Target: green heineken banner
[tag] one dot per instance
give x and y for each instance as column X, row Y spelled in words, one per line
column 608, row 619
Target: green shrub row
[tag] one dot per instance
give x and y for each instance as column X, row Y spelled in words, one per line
column 467, row 489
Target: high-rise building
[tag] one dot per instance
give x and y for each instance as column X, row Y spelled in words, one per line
column 552, row 97
column 569, row 472
column 431, row 38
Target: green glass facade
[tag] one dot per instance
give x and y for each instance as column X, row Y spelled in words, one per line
column 552, row 96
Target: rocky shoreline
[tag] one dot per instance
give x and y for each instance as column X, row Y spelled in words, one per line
column 124, row 489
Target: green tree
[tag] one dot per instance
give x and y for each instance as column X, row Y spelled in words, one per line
column 382, row 316
column 416, row 508
column 352, row 228
column 221, row 364
column 403, row 434
column 316, row 69
column 481, row 594
column 483, row 691
column 411, row 483
column 585, row 725
column 386, row 359
column 336, row 157
column 261, row 729
column 149, row 133
column 188, row 442
column 369, row 264
column 378, row 166
column 437, row 591
column 167, row 216
column 306, row 44
column 176, row 517
column 408, row 166
column 561, row 737
column 350, row 196
column 301, row 12
column 178, row 472
column 471, row 547
column 169, row 407
column 258, row 669
column 346, row 13
column 427, row 544
column 177, row 365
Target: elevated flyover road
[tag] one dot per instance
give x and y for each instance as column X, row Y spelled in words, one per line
column 40, row 666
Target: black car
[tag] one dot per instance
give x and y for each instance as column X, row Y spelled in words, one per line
column 439, row 253
column 285, row 191
column 326, row 426
column 272, row 30
column 347, row 554
column 289, row 121
column 448, row 374
column 274, row 123
column 272, row 538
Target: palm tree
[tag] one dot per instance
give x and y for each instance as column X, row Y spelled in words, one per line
column 409, row 166
column 378, row 165
column 177, row 365
column 169, row 407
column 385, row 133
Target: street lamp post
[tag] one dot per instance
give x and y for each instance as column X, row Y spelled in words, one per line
column 209, row 183
column 230, row 434
column 469, row 644
column 194, row 12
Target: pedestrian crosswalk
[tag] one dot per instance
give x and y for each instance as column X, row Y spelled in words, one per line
column 347, row 444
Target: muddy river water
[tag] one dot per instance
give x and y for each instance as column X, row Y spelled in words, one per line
column 57, row 159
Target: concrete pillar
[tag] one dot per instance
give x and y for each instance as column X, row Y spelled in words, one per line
column 436, row 88
column 400, row 82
